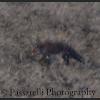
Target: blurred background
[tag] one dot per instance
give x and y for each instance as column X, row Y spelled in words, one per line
column 78, row 24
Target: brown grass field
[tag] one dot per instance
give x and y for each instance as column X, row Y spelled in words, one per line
column 78, row 24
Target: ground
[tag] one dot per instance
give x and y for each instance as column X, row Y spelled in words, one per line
column 75, row 23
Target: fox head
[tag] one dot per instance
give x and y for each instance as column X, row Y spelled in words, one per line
column 35, row 50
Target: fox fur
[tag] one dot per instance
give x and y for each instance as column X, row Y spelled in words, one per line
column 48, row 48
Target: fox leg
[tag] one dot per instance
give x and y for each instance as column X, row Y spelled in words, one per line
column 66, row 58
column 45, row 60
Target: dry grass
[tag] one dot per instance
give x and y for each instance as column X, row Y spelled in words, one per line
column 75, row 23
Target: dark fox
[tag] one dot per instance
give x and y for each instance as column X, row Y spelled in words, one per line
column 48, row 48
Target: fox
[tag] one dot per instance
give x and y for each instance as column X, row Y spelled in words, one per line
column 48, row 48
